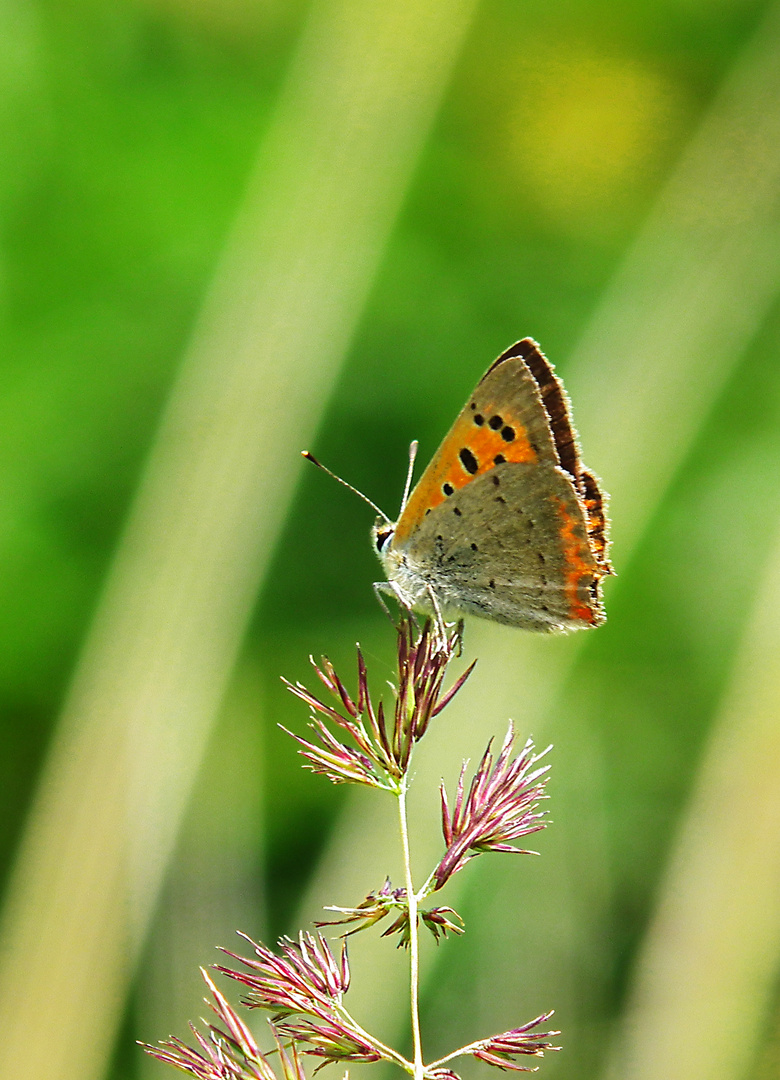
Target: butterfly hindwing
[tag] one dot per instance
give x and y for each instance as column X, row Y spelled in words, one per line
column 512, row 546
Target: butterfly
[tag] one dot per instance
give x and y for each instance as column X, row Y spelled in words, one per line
column 505, row 523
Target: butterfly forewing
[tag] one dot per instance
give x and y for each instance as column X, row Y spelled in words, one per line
column 503, row 421
column 554, row 399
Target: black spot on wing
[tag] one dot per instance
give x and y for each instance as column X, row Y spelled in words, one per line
column 468, row 461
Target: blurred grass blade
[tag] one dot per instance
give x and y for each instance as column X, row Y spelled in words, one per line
column 706, row 975
column 679, row 315
column 214, row 881
column 357, row 104
column 690, row 296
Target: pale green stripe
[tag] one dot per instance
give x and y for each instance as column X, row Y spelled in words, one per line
column 331, row 175
column 706, row 974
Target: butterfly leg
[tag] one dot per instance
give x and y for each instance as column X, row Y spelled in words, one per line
column 389, row 589
column 459, row 632
column 380, row 587
column 441, row 625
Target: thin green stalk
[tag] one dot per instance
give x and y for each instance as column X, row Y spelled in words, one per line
column 468, row 1049
column 414, row 947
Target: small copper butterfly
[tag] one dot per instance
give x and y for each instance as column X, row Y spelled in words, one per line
column 505, row 523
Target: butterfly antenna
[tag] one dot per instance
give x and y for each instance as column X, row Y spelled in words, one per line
column 410, row 471
column 360, row 495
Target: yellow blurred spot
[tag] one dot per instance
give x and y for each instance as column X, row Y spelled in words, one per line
column 585, row 131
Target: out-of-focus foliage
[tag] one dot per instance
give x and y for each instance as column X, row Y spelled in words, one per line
column 127, row 133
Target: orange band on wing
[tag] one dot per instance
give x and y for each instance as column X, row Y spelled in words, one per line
column 471, row 449
column 578, row 570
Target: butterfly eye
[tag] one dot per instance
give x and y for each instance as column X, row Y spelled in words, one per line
column 381, row 536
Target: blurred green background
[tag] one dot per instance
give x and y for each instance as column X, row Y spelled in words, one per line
column 128, row 135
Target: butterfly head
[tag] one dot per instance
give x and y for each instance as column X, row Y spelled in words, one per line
column 406, row 583
column 392, row 559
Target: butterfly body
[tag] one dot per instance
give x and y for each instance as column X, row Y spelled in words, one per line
column 505, row 523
